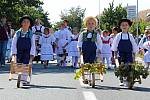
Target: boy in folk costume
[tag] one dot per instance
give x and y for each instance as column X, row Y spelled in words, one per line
column 124, row 44
column 106, row 48
column 62, row 38
column 73, row 50
column 46, row 42
column 23, row 44
column 89, row 41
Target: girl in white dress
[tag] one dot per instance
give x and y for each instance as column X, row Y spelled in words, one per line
column 46, row 42
column 146, row 46
column 106, row 48
column 73, row 49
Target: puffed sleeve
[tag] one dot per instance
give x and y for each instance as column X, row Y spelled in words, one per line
column 42, row 29
column 33, row 29
column 99, row 42
column 40, row 40
column 140, row 45
column 80, row 40
column 134, row 44
column 115, row 43
column 33, row 47
column 14, row 45
column 53, row 38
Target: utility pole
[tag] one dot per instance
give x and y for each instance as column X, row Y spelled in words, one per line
column 137, row 17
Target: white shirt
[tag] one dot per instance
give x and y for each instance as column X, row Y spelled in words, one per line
column 98, row 42
column 38, row 28
column 14, row 45
column 124, row 37
column 63, row 34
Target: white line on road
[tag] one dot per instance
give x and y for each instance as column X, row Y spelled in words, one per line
column 89, row 95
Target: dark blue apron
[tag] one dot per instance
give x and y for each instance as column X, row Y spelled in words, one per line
column 23, row 49
column 89, row 50
column 125, row 49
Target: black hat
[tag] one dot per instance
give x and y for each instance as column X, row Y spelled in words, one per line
column 26, row 17
column 125, row 20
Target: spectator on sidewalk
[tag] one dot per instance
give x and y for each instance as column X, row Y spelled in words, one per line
column 3, row 40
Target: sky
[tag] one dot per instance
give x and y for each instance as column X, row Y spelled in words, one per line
column 54, row 7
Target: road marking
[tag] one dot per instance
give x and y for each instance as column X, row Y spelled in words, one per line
column 89, row 95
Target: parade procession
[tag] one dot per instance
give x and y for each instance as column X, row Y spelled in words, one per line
column 107, row 54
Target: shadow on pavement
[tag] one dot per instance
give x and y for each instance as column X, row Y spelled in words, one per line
column 141, row 89
column 107, row 88
column 46, row 87
column 39, row 69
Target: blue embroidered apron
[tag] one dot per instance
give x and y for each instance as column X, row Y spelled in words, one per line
column 23, row 49
column 125, row 49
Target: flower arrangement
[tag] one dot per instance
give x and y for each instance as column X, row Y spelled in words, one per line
column 95, row 67
column 134, row 72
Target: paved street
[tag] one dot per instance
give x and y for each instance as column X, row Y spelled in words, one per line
column 57, row 83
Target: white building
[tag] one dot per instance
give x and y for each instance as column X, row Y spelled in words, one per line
column 131, row 12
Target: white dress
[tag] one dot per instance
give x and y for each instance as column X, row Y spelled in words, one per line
column 63, row 37
column 106, row 46
column 73, row 49
column 46, row 46
column 146, row 45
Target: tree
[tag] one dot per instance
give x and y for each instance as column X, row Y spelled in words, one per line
column 74, row 16
column 14, row 9
column 111, row 16
column 141, row 26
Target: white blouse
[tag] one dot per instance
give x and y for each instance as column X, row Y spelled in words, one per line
column 38, row 28
column 124, row 37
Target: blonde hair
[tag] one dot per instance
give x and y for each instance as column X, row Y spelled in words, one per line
column 90, row 18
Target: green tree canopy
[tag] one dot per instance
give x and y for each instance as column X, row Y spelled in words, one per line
column 111, row 16
column 14, row 9
column 74, row 15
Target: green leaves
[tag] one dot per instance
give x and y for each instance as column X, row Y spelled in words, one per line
column 14, row 9
column 132, row 71
column 74, row 16
column 95, row 67
column 111, row 16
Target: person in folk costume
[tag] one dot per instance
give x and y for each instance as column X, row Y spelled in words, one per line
column 115, row 31
column 11, row 33
column 144, row 39
column 23, row 44
column 124, row 45
column 62, row 38
column 146, row 46
column 89, row 41
column 46, row 41
column 106, row 48
column 37, row 29
column 73, row 50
